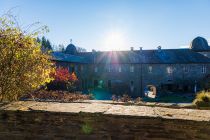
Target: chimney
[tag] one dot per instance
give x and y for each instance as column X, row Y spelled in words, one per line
column 131, row 48
column 93, row 50
column 140, row 48
column 159, row 48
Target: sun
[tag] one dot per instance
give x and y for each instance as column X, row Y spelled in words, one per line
column 114, row 40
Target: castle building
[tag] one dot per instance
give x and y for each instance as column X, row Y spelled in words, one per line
column 134, row 71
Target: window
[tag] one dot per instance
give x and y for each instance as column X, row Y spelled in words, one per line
column 169, row 70
column 131, row 68
column 109, row 84
column 150, row 69
column 72, row 68
column 109, row 68
column 67, row 69
column 76, row 68
column 120, row 69
column 132, row 83
column 131, row 86
column 203, row 69
column 83, row 83
column 81, row 68
column 186, row 69
column 95, row 83
column 96, row 69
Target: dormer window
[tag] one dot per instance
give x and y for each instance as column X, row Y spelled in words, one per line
column 169, row 70
column 96, row 69
column 131, row 68
column 203, row 69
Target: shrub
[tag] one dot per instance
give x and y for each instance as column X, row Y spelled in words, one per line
column 138, row 100
column 63, row 96
column 63, row 80
column 61, row 75
column 202, row 99
column 124, row 98
column 114, row 98
column 23, row 66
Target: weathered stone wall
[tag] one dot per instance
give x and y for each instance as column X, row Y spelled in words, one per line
column 141, row 76
column 100, row 120
column 160, row 76
column 96, row 126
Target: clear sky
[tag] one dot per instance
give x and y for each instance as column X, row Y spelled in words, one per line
column 117, row 24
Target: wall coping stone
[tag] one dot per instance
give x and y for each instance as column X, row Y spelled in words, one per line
column 107, row 108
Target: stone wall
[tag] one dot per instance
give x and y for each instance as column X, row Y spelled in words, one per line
column 96, row 126
column 141, row 76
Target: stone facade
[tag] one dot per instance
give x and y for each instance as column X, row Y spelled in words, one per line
column 170, row 70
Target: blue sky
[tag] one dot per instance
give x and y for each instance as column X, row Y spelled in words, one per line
column 117, row 24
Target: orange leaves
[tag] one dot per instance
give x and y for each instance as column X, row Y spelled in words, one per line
column 63, row 75
column 73, row 77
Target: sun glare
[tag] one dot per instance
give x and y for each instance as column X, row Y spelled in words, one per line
column 114, row 40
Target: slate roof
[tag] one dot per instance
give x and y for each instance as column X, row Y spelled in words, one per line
column 172, row 56
column 60, row 56
column 163, row 56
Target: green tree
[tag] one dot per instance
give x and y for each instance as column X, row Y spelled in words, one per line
column 80, row 49
column 61, row 48
column 23, row 66
column 45, row 44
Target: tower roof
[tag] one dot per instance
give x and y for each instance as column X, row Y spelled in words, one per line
column 71, row 49
column 199, row 44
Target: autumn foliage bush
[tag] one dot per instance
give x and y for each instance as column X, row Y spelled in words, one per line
column 23, row 66
column 63, row 80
